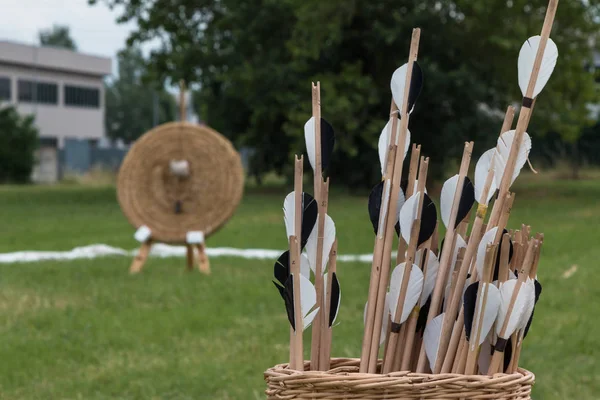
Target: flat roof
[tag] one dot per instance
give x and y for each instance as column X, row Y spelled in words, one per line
column 53, row 58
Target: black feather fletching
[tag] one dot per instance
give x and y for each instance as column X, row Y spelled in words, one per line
column 310, row 211
column 467, row 199
column 470, row 298
column 288, row 298
column 423, row 312
column 375, row 205
column 507, row 354
column 327, row 143
column 416, row 84
column 538, row 292
column 281, row 269
column 498, row 252
column 335, row 298
column 428, row 220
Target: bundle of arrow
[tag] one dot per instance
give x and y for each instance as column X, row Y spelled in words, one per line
column 465, row 308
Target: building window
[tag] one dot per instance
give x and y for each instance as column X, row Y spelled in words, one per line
column 78, row 96
column 38, row 92
column 4, row 88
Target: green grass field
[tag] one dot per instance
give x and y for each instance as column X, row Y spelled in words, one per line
column 86, row 329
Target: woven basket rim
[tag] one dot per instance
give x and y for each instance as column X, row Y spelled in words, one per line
column 344, row 376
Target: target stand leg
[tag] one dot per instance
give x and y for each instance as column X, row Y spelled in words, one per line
column 141, row 257
column 195, row 241
column 203, row 263
column 190, row 257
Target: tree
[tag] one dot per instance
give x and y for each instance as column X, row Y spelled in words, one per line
column 18, row 142
column 130, row 99
column 57, row 36
column 255, row 59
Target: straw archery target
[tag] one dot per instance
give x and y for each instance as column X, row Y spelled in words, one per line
column 157, row 190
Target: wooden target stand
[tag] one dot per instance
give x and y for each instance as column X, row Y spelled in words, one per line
column 195, row 251
column 183, row 181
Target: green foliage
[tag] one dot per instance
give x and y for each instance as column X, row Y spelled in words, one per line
column 57, row 36
column 130, row 100
column 18, row 142
column 255, row 59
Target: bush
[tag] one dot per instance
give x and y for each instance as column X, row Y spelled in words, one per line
column 18, row 142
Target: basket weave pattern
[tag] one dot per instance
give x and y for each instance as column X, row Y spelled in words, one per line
column 343, row 382
column 148, row 191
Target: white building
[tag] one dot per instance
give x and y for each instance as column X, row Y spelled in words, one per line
column 63, row 89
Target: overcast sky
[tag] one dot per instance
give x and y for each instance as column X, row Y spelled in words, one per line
column 92, row 27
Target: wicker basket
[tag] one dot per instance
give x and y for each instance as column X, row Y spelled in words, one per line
column 343, row 382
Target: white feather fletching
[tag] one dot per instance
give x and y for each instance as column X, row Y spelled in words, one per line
column 502, row 152
column 481, row 170
column 400, row 203
column 447, row 198
column 308, row 299
column 529, row 288
column 397, row 85
column 309, row 138
column 488, row 238
column 527, row 59
column 386, row 318
column 492, row 306
column 431, row 338
column 328, row 239
column 408, row 214
column 430, row 274
column 384, row 141
column 308, row 319
column 304, row 266
column 413, row 292
column 289, row 214
column 518, row 310
column 308, row 295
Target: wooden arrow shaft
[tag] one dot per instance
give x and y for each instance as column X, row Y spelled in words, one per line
column 447, row 251
column 392, row 208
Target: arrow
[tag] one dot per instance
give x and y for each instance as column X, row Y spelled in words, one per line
column 481, row 306
column 446, row 253
column 534, row 72
column 517, row 298
column 383, row 244
column 415, row 215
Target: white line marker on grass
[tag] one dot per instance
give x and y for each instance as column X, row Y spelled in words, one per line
column 158, row 250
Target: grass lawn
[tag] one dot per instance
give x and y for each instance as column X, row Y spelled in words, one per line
column 85, row 329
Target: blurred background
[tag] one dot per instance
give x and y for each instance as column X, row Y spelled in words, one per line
column 81, row 80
